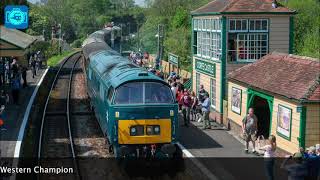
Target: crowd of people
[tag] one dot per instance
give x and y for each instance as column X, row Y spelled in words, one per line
column 138, row 58
column 193, row 107
column 13, row 77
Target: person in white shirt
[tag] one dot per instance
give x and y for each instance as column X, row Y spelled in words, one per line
column 174, row 89
column 269, row 154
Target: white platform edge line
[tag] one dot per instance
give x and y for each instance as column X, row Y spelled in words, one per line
column 185, row 151
column 26, row 117
column 197, row 163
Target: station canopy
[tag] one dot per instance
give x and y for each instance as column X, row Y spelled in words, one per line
column 294, row 77
column 16, row 37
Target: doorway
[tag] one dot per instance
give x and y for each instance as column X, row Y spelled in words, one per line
column 262, row 111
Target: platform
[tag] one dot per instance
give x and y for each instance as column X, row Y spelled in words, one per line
column 13, row 129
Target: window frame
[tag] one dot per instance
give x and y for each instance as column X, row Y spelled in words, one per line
column 235, row 25
column 206, row 45
column 213, row 98
column 248, row 52
column 261, row 20
column 198, row 76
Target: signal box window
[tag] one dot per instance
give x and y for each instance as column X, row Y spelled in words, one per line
column 247, row 39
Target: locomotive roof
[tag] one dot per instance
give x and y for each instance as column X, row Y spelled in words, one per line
column 117, row 70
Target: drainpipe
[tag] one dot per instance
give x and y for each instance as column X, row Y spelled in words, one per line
column 302, row 130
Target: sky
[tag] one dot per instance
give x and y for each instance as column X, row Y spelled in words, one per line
column 138, row 2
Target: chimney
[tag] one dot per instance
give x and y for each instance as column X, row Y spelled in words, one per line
column 274, row 4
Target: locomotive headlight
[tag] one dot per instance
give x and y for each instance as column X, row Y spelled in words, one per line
column 153, row 130
column 149, row 129
column 157, row 130
column 117, row 114
column 136, row 130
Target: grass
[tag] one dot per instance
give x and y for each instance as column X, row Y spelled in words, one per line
column 54, row 60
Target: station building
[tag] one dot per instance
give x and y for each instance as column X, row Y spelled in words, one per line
column 228, row 34
column 15, row 43
column 284, row 91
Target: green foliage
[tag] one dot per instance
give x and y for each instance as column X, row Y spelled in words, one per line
column 79, row 18
column 38, row 22
column 42, row 46
column 52, row 50
column 175, row 16
column 180, row 19
column 178, row 42
column 306, row 27
column 54, row 60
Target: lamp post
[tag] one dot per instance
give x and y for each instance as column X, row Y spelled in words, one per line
column 59, row 31
column 159, row 36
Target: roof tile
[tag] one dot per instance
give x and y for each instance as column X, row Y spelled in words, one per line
column 231, row 6
column 288, row 75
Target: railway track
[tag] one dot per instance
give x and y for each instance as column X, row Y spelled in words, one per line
column 56, row 146
column 70, row 135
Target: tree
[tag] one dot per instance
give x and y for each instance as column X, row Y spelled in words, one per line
column 306, row 27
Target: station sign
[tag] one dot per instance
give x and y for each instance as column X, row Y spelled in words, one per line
column 205, row 67
column 173, row 59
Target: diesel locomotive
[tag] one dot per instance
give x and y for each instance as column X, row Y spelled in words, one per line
column 135, row 109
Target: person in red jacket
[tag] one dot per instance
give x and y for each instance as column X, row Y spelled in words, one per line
column 186, row 105
column 178, row 97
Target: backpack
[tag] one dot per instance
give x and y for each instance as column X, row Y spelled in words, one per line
column 186, row 100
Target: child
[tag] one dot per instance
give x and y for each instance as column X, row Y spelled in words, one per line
column 269, row 153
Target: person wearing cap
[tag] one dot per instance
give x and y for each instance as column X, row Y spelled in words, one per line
column 206, row 111
column 297, row 170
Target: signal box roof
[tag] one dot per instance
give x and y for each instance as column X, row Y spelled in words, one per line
column 242, row 6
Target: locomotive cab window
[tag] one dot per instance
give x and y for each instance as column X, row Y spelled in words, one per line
column 143, row 93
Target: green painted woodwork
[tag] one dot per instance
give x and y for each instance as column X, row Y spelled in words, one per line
column 302, row 131
column 291, row 35
column 223, row 62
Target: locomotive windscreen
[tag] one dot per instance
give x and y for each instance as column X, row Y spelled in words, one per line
column 143, row 93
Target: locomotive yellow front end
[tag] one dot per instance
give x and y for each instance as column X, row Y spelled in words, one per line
column 146, row 120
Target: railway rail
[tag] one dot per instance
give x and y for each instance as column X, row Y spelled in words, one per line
column 56, row 146
column 70, row 135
